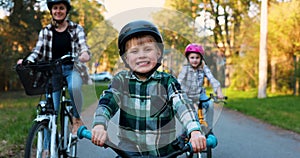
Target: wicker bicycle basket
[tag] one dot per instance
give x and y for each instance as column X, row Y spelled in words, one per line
column 36, row 78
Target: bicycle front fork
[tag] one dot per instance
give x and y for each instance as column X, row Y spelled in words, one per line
column 53, row 150
column 201, row 117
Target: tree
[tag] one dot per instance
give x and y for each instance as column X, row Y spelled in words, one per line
column 227, row 16
column 103, row 45
column 284, row 46
column 177, row 30
column 88, row 13
column 263, row 57
column 20, row 30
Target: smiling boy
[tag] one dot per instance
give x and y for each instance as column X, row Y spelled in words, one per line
column 148, row 100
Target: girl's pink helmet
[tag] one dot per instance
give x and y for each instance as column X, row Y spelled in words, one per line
column 193, row 48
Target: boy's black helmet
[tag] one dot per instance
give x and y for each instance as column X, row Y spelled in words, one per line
column 139, row 27
column 50, row 3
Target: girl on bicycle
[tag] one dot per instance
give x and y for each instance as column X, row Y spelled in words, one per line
column 148, row 99
column 192, row 77
column 59, row 38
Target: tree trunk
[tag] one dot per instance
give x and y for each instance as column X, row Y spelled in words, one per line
column 296, row 75
column 263, row 57
column 273, row 75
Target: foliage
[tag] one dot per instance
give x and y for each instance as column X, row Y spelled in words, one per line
column 103, row 45
column 223, row 20
column 19, row 31
column 284, row 43
column 176, row 37
column 283, row 39
column 245, row 68
column 87, row 13
column 226, row 28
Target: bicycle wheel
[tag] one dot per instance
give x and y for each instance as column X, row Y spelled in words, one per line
column 35, row 141
column 68, row 143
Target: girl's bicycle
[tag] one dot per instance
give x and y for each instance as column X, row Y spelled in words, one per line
column 218, row 104
column 51, row 129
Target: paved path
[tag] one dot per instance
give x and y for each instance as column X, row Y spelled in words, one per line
column 239, row 137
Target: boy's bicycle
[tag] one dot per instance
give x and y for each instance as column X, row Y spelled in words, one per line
column 218, row 104
column 180, row 144
column 183, row 148
column 37, row 80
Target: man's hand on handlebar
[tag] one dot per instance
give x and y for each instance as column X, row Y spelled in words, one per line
column 99, row 135
column 198, row 141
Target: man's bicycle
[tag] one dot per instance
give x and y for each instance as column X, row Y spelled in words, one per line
column 218, row 104
column 51, row 130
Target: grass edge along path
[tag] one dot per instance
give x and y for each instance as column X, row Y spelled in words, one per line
column 279, row 110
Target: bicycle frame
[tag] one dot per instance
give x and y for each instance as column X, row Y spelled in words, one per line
column 52, row 118
column 61, row 141
column 204, row 124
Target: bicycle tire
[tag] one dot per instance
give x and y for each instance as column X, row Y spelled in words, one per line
column 68, row 144
column 35, row 139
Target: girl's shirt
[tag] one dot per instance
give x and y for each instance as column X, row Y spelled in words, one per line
column 192, row 81
column 147, row 109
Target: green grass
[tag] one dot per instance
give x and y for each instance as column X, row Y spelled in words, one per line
column 278, row 110
column 17, row 112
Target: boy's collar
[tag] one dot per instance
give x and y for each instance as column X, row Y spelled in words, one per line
column 154, row 75
column 148, row 74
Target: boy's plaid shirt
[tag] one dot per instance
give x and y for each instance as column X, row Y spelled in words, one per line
column 147, row 109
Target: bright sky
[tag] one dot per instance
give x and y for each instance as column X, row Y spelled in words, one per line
column 120, row 12
column 114, row 7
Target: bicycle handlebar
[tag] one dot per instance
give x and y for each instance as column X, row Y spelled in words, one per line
column 216, row 97
column 38, row 64
column 83, row 132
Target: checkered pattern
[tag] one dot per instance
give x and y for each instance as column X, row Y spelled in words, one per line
column 43, row 48
column 147, row 109
column 192, row 81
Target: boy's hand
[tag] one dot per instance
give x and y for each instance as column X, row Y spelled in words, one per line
column 198, row 141
column 99, row 135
